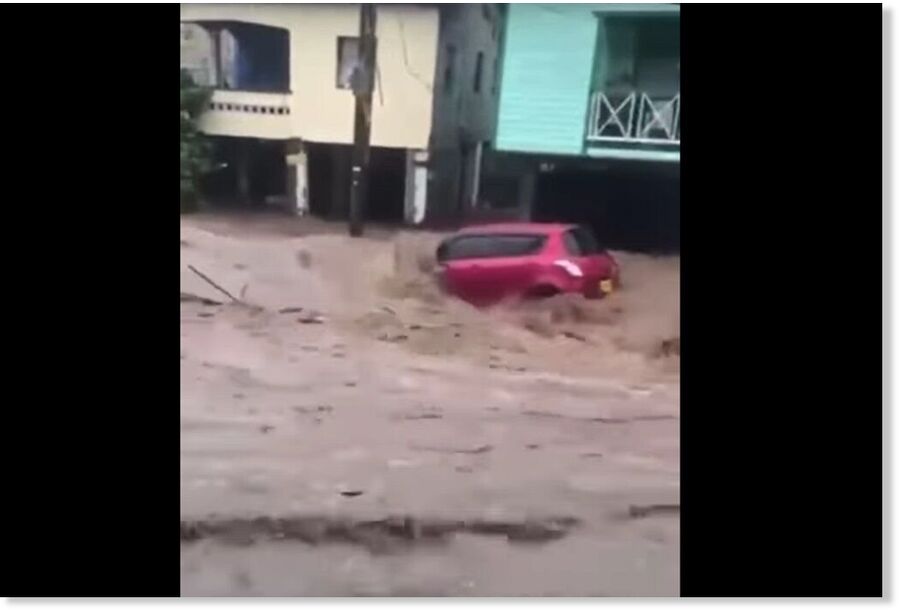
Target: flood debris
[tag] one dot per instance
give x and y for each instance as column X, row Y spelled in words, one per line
column 601, row 419
column 290, row 310
column 574, row 336
column 196, row 299
column 526, row 531
column 461, row 451
column 667, row 348
column 418, row 416
column 653, row 509
column 320, row 409
column 634, row 419
column 213, row 283
column 304, row 258
column 378, row 536
column 394, row 338
column 311, row 319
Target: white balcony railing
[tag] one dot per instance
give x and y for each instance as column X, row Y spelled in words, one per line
column 634, row 118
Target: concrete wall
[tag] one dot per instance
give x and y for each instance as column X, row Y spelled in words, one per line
column 463, row 117
column 462, row 112
column 268, row 125
column 407, row 56
column 196, row 53
column 319, row 111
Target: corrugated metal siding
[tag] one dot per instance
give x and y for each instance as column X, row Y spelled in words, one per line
column 547, row 69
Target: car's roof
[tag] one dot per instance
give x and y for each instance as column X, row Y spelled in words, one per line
column 519, row 227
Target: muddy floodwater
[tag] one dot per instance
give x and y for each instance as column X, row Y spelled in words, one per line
column 348, row 430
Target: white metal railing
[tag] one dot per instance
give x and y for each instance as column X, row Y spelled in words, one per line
column 635, row 117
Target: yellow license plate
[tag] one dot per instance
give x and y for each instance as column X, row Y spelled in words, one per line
column 606, row 286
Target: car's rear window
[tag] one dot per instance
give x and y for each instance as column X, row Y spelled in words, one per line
column 581, row 241
column 490, row 245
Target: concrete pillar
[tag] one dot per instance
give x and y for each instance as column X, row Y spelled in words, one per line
column 409, row 189
column 527, row 186
column 215, row 37
column 298, row 177
column 243, row 172
column 416, row 193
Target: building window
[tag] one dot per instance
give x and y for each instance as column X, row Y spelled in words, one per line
column 494, row 84
column 478, row 71
column 347, row 60
column 449, row 69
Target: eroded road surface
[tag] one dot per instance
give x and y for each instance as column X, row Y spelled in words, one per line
column 351, row 432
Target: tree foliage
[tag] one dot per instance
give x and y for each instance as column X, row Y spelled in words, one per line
column 195, row 148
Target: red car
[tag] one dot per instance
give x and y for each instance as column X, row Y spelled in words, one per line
column 486, row 264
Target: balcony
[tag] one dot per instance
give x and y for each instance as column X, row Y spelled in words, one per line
column 635, row 118
column 634, row 126
column 248, row 114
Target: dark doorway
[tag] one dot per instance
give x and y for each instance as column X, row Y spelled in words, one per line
column 330, row 173
column 387, row 185
column 265, row 172
column 321, row 180
column 629, row 206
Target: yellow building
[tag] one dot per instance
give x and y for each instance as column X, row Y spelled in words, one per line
column 282, row 111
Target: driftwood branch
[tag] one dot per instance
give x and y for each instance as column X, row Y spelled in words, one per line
column 213, row 283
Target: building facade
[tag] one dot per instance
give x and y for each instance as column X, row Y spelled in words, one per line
column 282, row 109
column 588, row 117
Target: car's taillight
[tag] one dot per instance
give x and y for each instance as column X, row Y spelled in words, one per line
column 569, row 266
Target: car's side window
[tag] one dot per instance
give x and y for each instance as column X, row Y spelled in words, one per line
column 465, row 247
column 497, row 245
column 571, row 244
column 515, row 246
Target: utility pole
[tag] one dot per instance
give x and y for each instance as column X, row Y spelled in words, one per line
column 363, row 85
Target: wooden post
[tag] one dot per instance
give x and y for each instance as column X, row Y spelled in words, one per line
column 363, row 85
